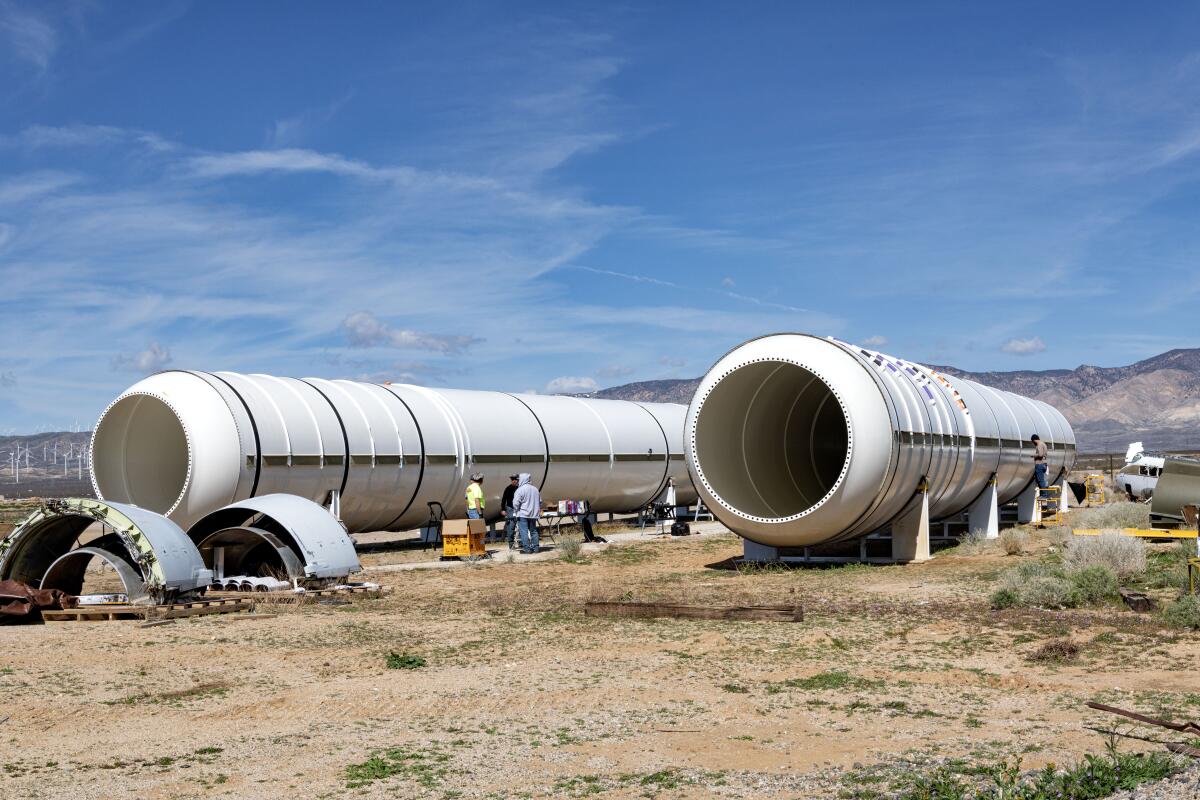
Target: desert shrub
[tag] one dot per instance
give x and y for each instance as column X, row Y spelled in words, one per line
column 1184, row 612
column 1124, row 555
column 1055, row 651
column 1048, row 592
column 1012, row 541
column 1095, row 584
column 570, row 545
column 1057, row 536
column 972, row 543
column 1036, row 569
column 1167, row 569
column 1050, row 586
column 396, row 660
column 1035, row 584
column 1090, row 779
column 1113, row 516
column 1005, row 598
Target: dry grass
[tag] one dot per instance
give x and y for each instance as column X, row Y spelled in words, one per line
column 1124, row 555
column 1056, row 651
column 570, row 545
column 1113, row 516
column 1013, row 541
column 973, row 543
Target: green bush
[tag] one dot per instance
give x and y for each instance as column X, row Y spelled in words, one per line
column 1026, row 572
column 1090, row 779
column 1167, row 569
column 1095, row 584
column 404, row 661
column 1049, row 586
column 1005, row 598
column 1034, row 584
column 1184, row 612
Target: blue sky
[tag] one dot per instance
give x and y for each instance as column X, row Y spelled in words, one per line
column 530, row 197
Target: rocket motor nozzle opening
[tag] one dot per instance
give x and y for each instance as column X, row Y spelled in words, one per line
column 771, row 440
column 140, row 454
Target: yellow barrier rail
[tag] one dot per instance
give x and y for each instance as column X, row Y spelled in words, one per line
column 1144, row 533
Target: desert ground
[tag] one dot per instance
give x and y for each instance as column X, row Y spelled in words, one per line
column 487, row 681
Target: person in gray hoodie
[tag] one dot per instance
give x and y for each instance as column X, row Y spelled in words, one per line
column 527, row 504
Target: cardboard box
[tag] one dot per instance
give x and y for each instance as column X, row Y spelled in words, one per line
column 461, row 527
column 463, row 537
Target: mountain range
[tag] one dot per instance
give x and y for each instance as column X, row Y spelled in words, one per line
column 1156, row 400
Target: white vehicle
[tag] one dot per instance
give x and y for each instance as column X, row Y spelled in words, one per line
column 1140, row 473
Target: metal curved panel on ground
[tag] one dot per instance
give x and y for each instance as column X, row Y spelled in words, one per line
column 241, row 545
column 68, row 571
column 319, row 539
column 166, row 558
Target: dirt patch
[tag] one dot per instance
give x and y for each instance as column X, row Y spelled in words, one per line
column 508, row 690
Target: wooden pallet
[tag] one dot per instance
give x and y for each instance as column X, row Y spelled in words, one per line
column 167, row 611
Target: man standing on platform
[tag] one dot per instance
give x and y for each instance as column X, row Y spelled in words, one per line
column 1039, row 463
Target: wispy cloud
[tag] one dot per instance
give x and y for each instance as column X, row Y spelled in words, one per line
column 151, row 359
column 571, row 384
column 294, row 160
column 874, row 341
column 745, row 298
column 366, row 330
column 1024, row 347
column 292, row 130
column 30, row 36
column 48, row 137
column 23, row 188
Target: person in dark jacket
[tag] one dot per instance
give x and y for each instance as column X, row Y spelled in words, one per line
column 506, row 509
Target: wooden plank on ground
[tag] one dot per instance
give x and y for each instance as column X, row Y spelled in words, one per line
column 163, row 612
column 782, row 613
column 198, row 609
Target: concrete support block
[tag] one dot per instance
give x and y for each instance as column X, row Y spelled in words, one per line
column 1028, row 508
column 1063, row 492
column 760, row 553
column 910, row 533
column 983, row 518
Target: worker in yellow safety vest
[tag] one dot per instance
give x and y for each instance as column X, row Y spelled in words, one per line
column 475, row 501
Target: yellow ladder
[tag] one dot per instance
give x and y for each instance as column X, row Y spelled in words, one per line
column 1094, row 485
column 1050, row 504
